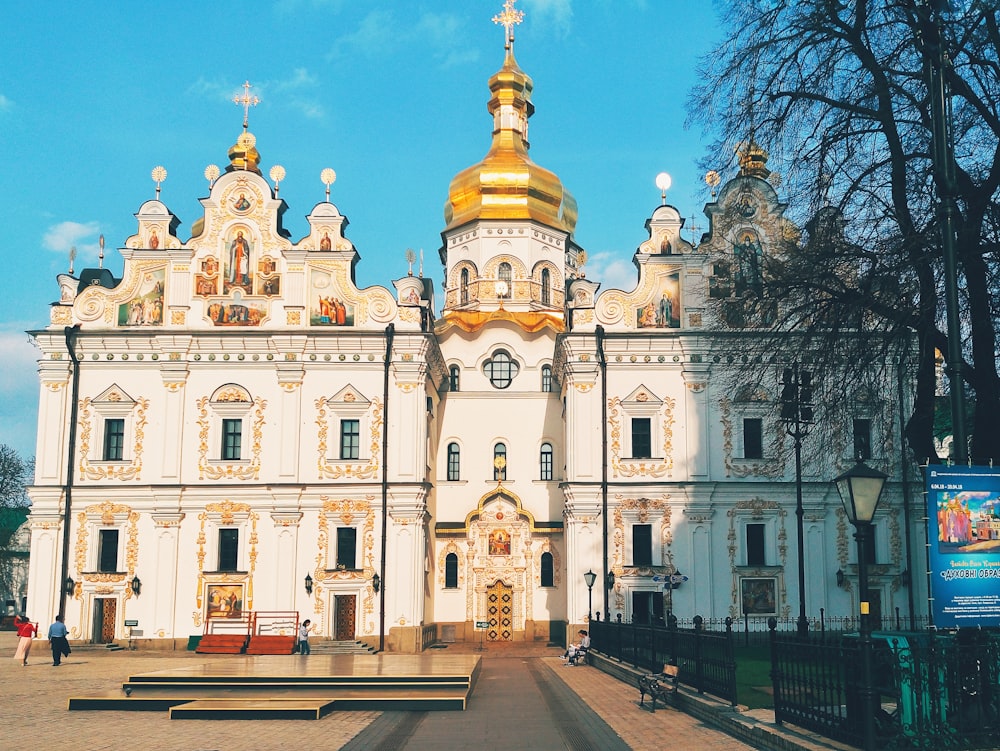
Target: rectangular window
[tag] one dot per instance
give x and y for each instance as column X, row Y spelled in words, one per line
column 350, row 439
column 642, row 544
column 862, row 440
column 347, row 545
column 545, row 462
column 755, row 545
column 454, row 462
column 753, row 438
column 232, row 439
column 114, row 440
column 107, row 553
column 641, row 438
column 229, row 549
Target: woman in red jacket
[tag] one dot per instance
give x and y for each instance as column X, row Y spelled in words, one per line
column 26, row 630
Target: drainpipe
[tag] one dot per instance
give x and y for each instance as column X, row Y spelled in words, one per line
column 908, row 580
column 390, row 332
column 602, row 360
column 71, row 333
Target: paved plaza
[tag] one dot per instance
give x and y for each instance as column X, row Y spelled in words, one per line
column 525, row 699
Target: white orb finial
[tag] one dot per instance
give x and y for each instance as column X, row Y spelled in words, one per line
column 663, row 182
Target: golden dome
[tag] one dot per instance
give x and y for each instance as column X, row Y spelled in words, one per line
column 243, row 154
column 506, row 184
column 753, row 160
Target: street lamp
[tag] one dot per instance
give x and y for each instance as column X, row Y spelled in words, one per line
column 590, row 577
column 797, row 416
column 860, row 489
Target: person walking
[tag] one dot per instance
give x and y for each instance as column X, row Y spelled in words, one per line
column 304, row 630
column 58, row 641
column 26, row 630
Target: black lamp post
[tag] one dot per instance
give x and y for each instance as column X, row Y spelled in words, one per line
column 590, row 577
column 136, row 585
column 797, row 415
column 860, row 489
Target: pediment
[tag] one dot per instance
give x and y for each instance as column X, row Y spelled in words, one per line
column 114, row 394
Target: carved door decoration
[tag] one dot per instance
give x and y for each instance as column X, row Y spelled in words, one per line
column 104, row 620
column 500, row 612
column 346, row 610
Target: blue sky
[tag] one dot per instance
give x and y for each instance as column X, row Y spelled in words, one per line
column 391, row 95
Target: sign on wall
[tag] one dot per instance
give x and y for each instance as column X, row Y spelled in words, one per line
column 963, row 505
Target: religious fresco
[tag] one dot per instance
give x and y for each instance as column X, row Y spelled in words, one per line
column 664, row 310
column 238, row 262
column 146, row 308
column 759, row 596
column 268, row 282
column 224, row 600
column 206, row 282
column 236, row 312
column 747, row 262
column 499, row 542
column 325, row 308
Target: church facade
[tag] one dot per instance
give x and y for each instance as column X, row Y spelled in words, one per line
column 234, row 427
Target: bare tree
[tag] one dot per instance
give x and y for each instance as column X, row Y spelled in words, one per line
column 15, row 474
column 838, row 93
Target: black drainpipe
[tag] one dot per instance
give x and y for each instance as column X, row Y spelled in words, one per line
column 71, row 334
column 602, row 360
column 390, row 332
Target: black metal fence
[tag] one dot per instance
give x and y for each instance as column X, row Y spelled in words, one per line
column 933, row 690
column 705, row 658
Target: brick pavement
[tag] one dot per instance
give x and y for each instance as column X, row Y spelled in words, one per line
column 33, row 710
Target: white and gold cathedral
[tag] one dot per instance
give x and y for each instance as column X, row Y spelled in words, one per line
column 234, row 427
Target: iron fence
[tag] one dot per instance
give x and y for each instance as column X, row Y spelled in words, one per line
column 932, row 690
column 705, row 658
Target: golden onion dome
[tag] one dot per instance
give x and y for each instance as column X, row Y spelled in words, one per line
column 506, row 184
column 243, row 154
column 753, row 159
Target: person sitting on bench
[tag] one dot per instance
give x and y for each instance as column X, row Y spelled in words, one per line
column 579, row 650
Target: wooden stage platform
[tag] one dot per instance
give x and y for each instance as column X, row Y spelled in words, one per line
column 296, row 686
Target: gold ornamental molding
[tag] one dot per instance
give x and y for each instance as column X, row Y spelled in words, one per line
column 226, row 513
column 215, row 470
column 106, row 514
column 758, row 508
column 771, row 468
column 346, row 510
column 88, row 423
column 641, row 467
column 338, row 470
column 643, row 509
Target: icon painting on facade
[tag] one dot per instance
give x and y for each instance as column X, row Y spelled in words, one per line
column 146, row 308
column 759, row 596
column 268, row 282
column 239, row 257
column 325, row 307
column 224, row 600
column 664, row 310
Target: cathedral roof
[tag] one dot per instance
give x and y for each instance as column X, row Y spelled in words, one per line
column 506, row 184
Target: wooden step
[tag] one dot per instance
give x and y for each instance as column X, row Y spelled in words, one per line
column 260, row 709
column 222, row 644
column 271, row 645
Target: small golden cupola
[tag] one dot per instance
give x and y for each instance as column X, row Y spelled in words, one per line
column 753, row 159
column 506, row 184
column 243, row 154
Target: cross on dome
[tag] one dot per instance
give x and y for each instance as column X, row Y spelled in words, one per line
column 247, row 101
column 509, row 18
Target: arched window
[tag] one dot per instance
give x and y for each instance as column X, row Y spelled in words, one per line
column 451, row 571
column 546, row 287
column 546, row 378
column 545, row 462
column 548, row 575
column 454, row 462
column 453, row 372
column 500, row 369
column 464, row 287
column 504, row 275
column 500, row 467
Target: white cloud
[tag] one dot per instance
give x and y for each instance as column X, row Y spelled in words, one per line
column 373, row 36
column 611, row 270
column 285, row 93
column 5, row 103
column 555, row 13
column 61, row 237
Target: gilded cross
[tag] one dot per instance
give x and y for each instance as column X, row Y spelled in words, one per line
column 247, row 101
column 509, row 19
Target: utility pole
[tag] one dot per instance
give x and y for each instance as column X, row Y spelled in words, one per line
column 797, row 416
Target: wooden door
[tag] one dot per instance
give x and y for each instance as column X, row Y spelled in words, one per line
column 104, row 620
column 346, row 606
column 500, row 612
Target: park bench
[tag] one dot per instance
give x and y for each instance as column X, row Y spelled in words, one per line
column 658, row 685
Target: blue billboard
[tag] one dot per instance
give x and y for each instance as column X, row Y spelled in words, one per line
column 963, row 509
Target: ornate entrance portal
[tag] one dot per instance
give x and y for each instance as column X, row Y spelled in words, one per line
column 500, row 612
column 345, row 607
